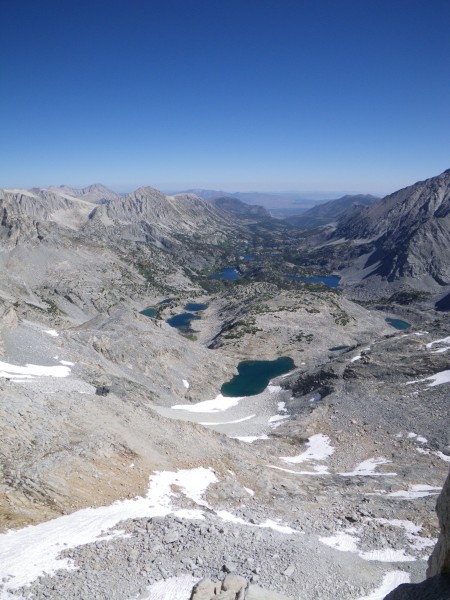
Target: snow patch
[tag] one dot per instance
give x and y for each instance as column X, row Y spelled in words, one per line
column 29, row 552
column 412, row 493
column 390, row 582
column 436, row 379
column 185, row 383
column 318, row 470
column 51, row 332
column 230, row 422
column 319, row 448
column 274, row 389
column 276, row 420
column 219, row 404
column 367, row 468
column 15, row 372
column 174, row 588
column 267, row 524
column 249, row 439
column 445, row 340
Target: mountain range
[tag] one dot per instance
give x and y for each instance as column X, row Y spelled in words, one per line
column 122, row 455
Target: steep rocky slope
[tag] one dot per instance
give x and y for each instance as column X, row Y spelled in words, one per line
column 405, row 236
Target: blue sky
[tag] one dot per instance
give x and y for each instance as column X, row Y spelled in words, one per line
column 304, row 95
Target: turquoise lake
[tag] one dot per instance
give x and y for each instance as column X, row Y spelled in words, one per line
column 254, row 376
column 398, row 324
column 149, row 312
column 195, row 306
column 182, row 321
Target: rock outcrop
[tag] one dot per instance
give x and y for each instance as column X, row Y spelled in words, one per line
column 439, row 562
column 233, row 587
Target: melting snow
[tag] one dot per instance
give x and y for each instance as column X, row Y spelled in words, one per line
column 367, row 468
column 17, row 373
column 277, row 418
column 436, row 379
column 319, row 448
column 52, row 332
column 174, row 588
column 390, row 582
column 348, row 540
column 445, row 340
column 249, row 439
column 267, row 524
column 27, row 553
column 318, row 470
column 414, row 492
column 229, row 422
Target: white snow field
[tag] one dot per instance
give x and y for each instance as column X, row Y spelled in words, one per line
column 27, row 553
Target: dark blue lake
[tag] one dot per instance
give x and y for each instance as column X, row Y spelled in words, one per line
column 149, row 312
column 195, row 306
column 398, row 324
column 230, row 273
column 254, row 376
column 182, row 321
column 330, row 280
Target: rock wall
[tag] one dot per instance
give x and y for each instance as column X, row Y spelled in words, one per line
column 439, row 561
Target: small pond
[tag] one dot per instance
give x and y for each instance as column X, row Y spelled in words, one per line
column 249, row 257
column 254, row 376
column 149, row 312
column 182, row 321
column 229, row 273
column 330, row 280
column 337, row 348
column 398, row 323
column 195, row 306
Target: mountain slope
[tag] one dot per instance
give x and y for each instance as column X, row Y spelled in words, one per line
column 331, row 211
column 239, row 208
column 95, row 193
column 407, row 234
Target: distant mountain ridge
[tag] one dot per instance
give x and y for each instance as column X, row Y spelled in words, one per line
column 331, row 211
column 239, row 208
column 268, row 200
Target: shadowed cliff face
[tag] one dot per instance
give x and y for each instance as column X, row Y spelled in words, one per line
column 409, row 232
column 439, row 563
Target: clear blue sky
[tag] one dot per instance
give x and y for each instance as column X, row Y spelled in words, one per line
column 325, row 95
